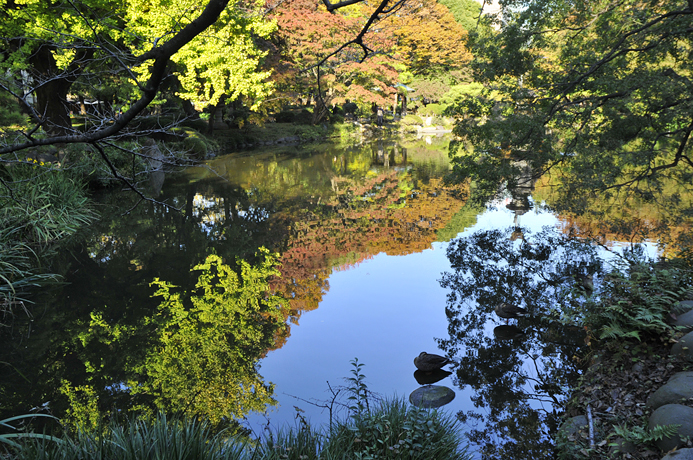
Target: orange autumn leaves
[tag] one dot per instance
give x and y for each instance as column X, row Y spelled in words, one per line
column 421, row 38
column 428, row 38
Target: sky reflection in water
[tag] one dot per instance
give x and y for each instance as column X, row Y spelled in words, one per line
column 384, row 311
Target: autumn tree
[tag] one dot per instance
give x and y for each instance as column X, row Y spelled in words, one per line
column 312, row 39
column 423, row 39
column 429, row 40
column 432, row 49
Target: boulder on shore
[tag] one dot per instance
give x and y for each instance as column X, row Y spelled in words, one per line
column 684, row 347
column 678, row 388
column 672, row 414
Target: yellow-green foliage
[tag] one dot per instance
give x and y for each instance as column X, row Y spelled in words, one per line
column 411, row 120
column 83, row 410
column 204, row 358
column 222, row 61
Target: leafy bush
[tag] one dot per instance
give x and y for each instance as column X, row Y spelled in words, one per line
column 285, row 116
column 412, row 120
column 432, row 109
column 198, row 145
column 10, row 114
column 350, row 107
column 304, row 117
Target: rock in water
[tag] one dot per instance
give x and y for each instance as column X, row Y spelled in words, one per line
column 431, row 396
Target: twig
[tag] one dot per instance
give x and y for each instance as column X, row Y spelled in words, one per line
column 591, row 426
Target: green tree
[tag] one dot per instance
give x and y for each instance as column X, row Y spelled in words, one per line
column 597, row 91
column 466, row 12
column 211, row 45
column 59, row 43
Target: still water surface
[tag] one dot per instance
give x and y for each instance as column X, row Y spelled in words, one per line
column 362, row 234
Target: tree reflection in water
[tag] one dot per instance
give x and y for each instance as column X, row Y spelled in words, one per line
column 521, row 372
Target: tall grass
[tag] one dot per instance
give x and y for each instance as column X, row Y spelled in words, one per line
column 8, row 439
column 138, row 439
column 39, row 206
column 392, row 431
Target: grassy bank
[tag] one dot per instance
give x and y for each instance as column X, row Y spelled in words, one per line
column 391, row 430
column 41, row 208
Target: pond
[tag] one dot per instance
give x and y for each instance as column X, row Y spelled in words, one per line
column 369, row 256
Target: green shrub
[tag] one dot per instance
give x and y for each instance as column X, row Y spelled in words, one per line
column 412, row 120
column 198, row 145
column 432, row 109
column 304, row 117
column 350, row 107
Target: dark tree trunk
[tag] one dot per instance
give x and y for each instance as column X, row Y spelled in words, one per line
column 320, row 110
column 51, row 92
column 189, row 110
column 210, row 123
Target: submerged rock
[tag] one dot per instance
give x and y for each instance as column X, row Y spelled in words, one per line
column 431, row 396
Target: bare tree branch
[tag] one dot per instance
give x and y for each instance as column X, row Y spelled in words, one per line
column 124, row 180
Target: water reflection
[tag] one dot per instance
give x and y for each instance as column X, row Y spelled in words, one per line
column 361, row 233
column 508, row 332
column 428, row 378
column 520, row 372
column 104, row 340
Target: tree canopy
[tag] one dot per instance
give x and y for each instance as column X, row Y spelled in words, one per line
column 597, row 92
column 51, row 45
column 125, row 53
